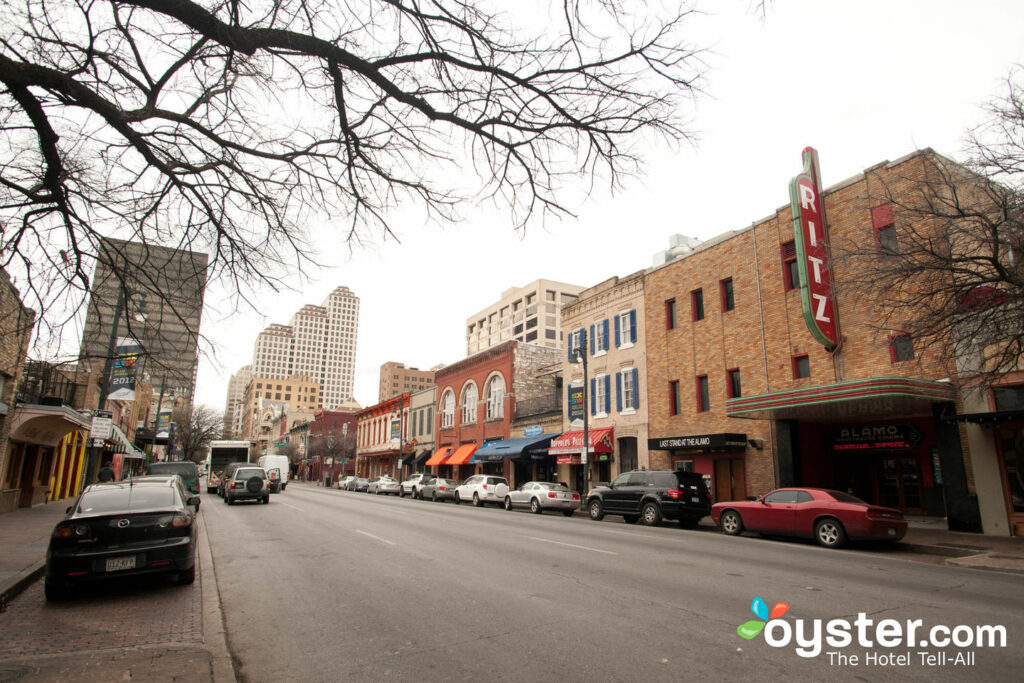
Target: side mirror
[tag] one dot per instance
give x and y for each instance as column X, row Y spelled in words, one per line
column 68, row 511
column 760, row 499
column 194, row 501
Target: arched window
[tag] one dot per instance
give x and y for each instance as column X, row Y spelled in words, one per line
column 469, row 400
column 496, row 397
column 448, row 409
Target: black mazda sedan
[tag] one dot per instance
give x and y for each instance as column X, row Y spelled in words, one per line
column 139, row 526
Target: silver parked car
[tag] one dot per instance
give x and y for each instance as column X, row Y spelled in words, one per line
column 539, row 496
column 343, row 483
column 387, row 486
column 438, row 489
column 358, row 484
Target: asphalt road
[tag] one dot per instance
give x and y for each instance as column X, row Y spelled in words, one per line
column 326, row 585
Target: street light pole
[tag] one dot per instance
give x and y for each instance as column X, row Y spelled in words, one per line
column 94, row 449
column 581, row 355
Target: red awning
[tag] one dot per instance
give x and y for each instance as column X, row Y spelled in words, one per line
column 572, row 442
column 439, row 456
column 462, row 455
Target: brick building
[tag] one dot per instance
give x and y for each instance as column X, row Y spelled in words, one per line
column 382, row 437
column 741, row 390
column 396, row 378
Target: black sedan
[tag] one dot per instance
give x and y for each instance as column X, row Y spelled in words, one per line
column 139, row 526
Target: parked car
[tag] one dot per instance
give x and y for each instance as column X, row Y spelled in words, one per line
column 481, row 489
column 414, row 484
column 651, row 495
column 193, row 500
column 229, row 470
column 830, row 517
column 387, row 486
column 438, row 488
column 371, row 485
column 247, row 483
column 186, row 470
column 115, row 529
column 342, row 484
column 539, row 496
column 360, row 484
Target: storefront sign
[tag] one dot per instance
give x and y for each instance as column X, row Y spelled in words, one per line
column 533, row 430
column 568, row 460
column 868, row 437
column 810, row 239
column 698, row 442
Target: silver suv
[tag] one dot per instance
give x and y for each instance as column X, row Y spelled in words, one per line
column 247, row 483
column 482, row 488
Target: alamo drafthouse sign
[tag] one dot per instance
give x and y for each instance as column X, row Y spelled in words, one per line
column 876, row 437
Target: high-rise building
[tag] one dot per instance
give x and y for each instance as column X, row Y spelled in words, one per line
column 531, row 314
column 233, row 406
column 161, row 295
column 397, row 379
column 319, row 343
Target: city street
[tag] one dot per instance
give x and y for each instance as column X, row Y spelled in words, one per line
column 325, row 585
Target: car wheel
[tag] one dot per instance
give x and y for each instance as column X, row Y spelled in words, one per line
column 508, row 503
column 651, row 514
column 228, row 500
column 830, row 533
column 567, row 513
column 476, row 500
column 55, row 593
column 266, row 500
column 535, row 507
column 186, row 577
column 433, row 496
column 731, row 523
column 596, row 510
column 457, row 499
column 630, row 519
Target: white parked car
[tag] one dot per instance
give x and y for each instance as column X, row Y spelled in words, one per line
column 543, row 495
column 482, row 488
column 343, row 483
column 414, row 483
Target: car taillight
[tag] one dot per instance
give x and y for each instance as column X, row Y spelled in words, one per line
column 72, row 531
column 674, row 494
column 884, row 514
column 485, row 486
column 181, row 521
column 575, row 496
column 552, row 494
column 442, row 488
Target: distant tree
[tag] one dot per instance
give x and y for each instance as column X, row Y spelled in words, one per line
column 950, row 274
column 196, row 427
column 228, row 127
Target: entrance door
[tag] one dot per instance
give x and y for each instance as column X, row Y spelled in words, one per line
column 900, row 482
column 730, row 479
column 1011, row 449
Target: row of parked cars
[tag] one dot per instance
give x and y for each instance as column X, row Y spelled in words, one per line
column 829, row 517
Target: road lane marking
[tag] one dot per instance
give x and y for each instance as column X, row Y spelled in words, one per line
column 293, row 507
column 572, row 545
column 376, row 538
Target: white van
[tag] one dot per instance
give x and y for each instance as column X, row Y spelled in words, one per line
column 280, row 462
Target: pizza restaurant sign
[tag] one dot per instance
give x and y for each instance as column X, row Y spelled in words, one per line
column 894, row 436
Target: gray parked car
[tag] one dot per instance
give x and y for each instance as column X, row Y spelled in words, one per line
column 539, row 496
column 247, row 483
column 358, row 484
column 438, row 489
column 386, row 486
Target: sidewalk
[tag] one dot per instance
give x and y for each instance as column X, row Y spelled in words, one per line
column 24, row 535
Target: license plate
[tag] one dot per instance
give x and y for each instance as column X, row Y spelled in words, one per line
column 695, row 499
column 116, row 564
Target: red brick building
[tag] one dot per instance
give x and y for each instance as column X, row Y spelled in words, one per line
column 380, row 430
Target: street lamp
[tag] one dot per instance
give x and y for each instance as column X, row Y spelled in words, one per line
column 400, row 409
column 580, row 356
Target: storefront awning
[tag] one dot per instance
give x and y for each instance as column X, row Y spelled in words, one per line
column 439, row 456
column 860, row 399
column 494, row 451
column 421, row 456
column 572, row 442
column 986, row 418
column 130, row 450
column 462, row 454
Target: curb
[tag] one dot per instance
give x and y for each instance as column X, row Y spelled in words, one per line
column 22, row 581
column 214, row 633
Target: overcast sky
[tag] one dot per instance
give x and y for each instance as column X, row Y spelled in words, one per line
column 863, row 82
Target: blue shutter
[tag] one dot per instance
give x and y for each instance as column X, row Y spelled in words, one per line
column 618, row 390
column 591, row 340
column 607, row 393
column 636, row 388
column 569, row 348
column 632, row 327
column 593, row 396
column 618, row 334
column 605, row 323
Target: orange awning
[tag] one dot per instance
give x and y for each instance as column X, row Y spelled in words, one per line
column 438, row 457
column 462, row 454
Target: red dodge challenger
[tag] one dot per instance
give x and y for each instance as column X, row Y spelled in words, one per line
column 830, row 517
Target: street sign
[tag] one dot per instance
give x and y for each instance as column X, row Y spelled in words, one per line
column 583, row 455
column 102, row 425
column 533, row 430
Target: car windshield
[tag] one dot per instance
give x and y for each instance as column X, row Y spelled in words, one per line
column 245, row 473
column 122, row 498
column 844, row 497
column 185, row 469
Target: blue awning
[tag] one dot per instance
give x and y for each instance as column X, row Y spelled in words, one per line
column 494, row 451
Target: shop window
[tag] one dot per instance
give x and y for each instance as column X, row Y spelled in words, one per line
column 733, row 383
column 801, row 367
column 674, row 398
column 670, row 314
column 697, row 304
column 1009, row 398
column 790, row 269
column 901, row 348
column 703, row 394
column 728, row 299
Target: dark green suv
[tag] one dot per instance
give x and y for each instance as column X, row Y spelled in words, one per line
column 651, row 495
column 186, row 470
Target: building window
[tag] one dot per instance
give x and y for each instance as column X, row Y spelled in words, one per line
column 448, row 409
column 703, row 394
column 625, row 328
column 883, row 220
column 728, row 300
column 599, row 336
column 469, row 400
column 495, row 398
column 790, row 269
column 599, row 395
column 733, row 384
column 626, row 384
column 901, row 348
column 674, row 398
column 670, row 314
column 801, row 367
column 697, row 304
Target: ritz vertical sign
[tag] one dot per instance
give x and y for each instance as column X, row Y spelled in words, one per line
column 810, row 239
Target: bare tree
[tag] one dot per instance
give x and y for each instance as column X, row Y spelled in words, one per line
column 950, row 275
column 196, row 427
column 227, row 128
